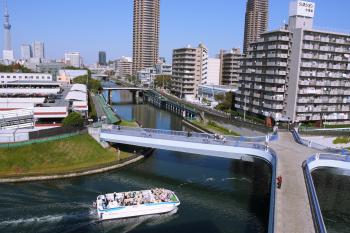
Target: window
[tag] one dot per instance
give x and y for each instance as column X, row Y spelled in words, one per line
column 8, row 76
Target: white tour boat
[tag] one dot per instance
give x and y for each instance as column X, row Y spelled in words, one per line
column 136, row 203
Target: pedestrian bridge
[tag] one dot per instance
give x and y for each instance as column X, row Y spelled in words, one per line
column 241, row 148
column 188, row 142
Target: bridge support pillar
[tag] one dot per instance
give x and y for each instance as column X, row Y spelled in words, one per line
column 110, row 101
column 135, row 97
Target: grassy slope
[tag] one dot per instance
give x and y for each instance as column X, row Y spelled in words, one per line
column 215, row 128
column 129, row 124
column 67, row 155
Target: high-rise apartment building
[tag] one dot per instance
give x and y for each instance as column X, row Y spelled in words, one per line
column 189, row 69
column 145, row 34
column 26, row 51
column 229, row 67
column 38, row 50
column 297, row 73
column 102, row 60
column 256, row 21
column 73, row 59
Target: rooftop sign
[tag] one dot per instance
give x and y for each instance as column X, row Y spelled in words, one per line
column 302, row 8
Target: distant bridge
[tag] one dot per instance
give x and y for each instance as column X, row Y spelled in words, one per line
column 118, row 88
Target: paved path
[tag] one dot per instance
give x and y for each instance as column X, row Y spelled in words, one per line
column 98, row 108
column 293, row 213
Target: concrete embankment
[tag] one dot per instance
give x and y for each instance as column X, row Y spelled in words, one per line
column 73, row 174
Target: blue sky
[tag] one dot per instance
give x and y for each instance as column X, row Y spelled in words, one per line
column 88, row 26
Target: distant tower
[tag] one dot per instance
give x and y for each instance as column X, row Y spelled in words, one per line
column 256, row 21
column 7, row 52
column 102, row 60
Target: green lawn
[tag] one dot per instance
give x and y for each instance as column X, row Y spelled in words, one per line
column 214, row 128
column 72, row 154
column 342, row 140
column 128, row 124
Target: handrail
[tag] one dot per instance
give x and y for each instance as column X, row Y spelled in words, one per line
column 314, row 203
column 317, row 146
column 315, row 206
column 208, row 136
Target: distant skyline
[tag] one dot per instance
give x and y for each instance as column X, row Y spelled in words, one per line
column 91, row 26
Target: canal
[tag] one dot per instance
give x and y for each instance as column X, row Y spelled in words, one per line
column 332, row 188
column 217, row 195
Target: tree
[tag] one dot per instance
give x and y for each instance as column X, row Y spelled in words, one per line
column 16, row 67
column 163, row 81
column 225, row 101
column 73, row 119
column 92, row 84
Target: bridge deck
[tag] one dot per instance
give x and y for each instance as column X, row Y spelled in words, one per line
column 293, row 214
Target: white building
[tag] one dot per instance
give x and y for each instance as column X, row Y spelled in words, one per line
column 38, row 50
column 164, row 69
column 146, row 76
column 123, row 66
column 73, row 59
column 26, row 51
column 11, row 77
column 212, row 76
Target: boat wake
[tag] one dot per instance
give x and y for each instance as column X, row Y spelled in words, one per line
column 43, row 219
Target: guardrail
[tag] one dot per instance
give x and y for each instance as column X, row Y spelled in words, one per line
column 317, row 146
column 325, row 131
column 332, row 160
column 202, row 136
column 314, row 204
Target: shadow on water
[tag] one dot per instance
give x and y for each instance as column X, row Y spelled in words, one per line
column 332, row 187
column 259, row 172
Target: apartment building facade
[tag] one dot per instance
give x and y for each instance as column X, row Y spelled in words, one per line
column 230, row 66
column 263, row 77
column 189, row 69
column 304, row 74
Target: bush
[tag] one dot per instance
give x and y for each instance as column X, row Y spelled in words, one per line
column 73, row 119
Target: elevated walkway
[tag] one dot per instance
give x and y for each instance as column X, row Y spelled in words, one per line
column 187, row 142
column 293, row 213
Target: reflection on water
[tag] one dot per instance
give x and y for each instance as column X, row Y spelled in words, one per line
column 216, row 194
column 332, row 187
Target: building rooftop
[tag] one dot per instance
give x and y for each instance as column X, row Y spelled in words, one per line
column 79, row 87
